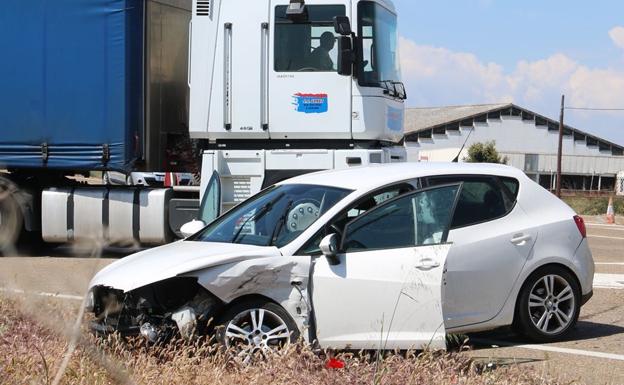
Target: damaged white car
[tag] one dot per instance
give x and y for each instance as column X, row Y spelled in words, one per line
column 389, row 257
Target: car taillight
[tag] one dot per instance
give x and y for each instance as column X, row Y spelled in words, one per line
column 580, row 223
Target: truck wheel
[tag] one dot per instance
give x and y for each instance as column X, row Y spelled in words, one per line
column 10, row 217
column 549, row 304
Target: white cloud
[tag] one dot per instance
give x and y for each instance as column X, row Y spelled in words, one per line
column 617, row 35
column 437, row 76
column 440, row 76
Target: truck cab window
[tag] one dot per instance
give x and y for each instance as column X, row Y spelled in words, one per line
column 379, row 56
column 307, row 45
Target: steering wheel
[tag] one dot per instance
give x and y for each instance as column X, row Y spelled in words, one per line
column 304, row 212
column 307, row 69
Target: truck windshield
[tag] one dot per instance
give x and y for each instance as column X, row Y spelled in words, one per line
column 378, row 31
column 307, row 45
column 274, row 217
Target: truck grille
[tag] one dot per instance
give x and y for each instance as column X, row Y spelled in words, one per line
column 203, row 7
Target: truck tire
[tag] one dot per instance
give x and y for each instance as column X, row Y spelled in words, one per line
column 11, row 220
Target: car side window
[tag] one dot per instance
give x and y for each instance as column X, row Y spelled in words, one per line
column 420, row 218
column 512, row 185
column 360, row 207
column 482, row 199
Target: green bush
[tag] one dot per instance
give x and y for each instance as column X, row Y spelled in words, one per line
column 484, row 153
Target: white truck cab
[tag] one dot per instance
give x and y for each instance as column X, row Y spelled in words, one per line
column 279, row 88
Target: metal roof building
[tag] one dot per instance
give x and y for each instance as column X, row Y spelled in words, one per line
column 529, row 141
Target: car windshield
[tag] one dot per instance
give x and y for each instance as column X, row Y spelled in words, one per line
column 378, row 30
column 274, row 217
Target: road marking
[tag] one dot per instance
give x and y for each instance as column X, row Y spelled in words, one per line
column 610, row 263
column 604, row 236
column 43, row 294
column 609, row 281
column 555, row 349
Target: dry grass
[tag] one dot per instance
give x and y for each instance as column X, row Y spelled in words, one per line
column 34, row 337
column 594, row 205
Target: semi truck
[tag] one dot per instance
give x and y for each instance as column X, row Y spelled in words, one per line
column 241, row 93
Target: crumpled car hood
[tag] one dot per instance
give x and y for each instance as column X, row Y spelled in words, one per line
column 174, row 259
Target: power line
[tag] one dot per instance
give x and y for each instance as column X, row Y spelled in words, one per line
column 594, row 109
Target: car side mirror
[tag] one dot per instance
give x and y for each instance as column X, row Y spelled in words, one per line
column 191, row 228
column 329, row 248
column 342, row 25
column 345, row 56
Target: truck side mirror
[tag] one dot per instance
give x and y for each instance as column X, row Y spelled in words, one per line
column 342, row 25
column 345, row 56
column 329, row 248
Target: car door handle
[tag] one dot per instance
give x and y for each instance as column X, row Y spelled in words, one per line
column 520, row 239
column 427, row 264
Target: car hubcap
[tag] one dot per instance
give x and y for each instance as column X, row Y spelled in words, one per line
column 256, row 330
column 551, row 304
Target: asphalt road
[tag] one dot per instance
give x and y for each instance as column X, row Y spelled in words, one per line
column 593, row 353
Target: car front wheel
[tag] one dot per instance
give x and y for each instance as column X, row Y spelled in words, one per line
column 549, row 304
column 256, row 326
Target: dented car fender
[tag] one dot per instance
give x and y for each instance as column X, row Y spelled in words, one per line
column 282, row 279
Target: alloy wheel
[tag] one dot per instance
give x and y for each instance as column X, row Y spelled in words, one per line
column 256, row 331
column 551, row 304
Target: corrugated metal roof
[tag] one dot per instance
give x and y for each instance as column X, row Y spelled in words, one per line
column 418, row 119
column 425, row 119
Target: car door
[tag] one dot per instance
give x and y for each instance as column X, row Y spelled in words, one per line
column 493, row 238
column 210, row 206
column 385, row 292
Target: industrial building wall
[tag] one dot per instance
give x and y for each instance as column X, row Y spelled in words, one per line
column 516, row 139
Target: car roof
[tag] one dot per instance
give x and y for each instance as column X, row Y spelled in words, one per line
column 370, row 177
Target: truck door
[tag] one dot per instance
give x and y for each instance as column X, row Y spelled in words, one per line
column 307, row 99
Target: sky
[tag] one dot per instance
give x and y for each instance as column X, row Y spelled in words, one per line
column 528, row 52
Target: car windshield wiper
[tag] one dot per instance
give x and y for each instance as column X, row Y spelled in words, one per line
column 257, row 216
column 281, row 223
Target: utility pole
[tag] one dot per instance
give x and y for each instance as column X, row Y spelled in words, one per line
column 560, row 150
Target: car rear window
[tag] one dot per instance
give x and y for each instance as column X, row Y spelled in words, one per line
column 482, row 199
column 512, row 185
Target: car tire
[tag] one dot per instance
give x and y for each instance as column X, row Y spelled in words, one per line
column 548, row 305
column 255, row 325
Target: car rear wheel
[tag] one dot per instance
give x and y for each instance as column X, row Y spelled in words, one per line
column 549, row 304
column 255, row 327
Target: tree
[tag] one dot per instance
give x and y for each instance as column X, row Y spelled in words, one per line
column 484, row 153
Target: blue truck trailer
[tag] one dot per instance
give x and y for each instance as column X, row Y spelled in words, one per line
column 89, row 85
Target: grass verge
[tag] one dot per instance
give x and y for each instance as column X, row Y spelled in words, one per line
column 594, row 205
column 34, row 339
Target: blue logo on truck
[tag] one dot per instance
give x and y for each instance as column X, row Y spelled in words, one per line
column 311, row 103
column 395, row 119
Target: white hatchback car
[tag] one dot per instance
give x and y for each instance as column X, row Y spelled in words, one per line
column 389, row 256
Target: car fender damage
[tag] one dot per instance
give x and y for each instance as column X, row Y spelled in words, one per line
column 188, row 304
column 283, row 280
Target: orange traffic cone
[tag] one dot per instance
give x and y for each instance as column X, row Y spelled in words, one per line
column 610, row 212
